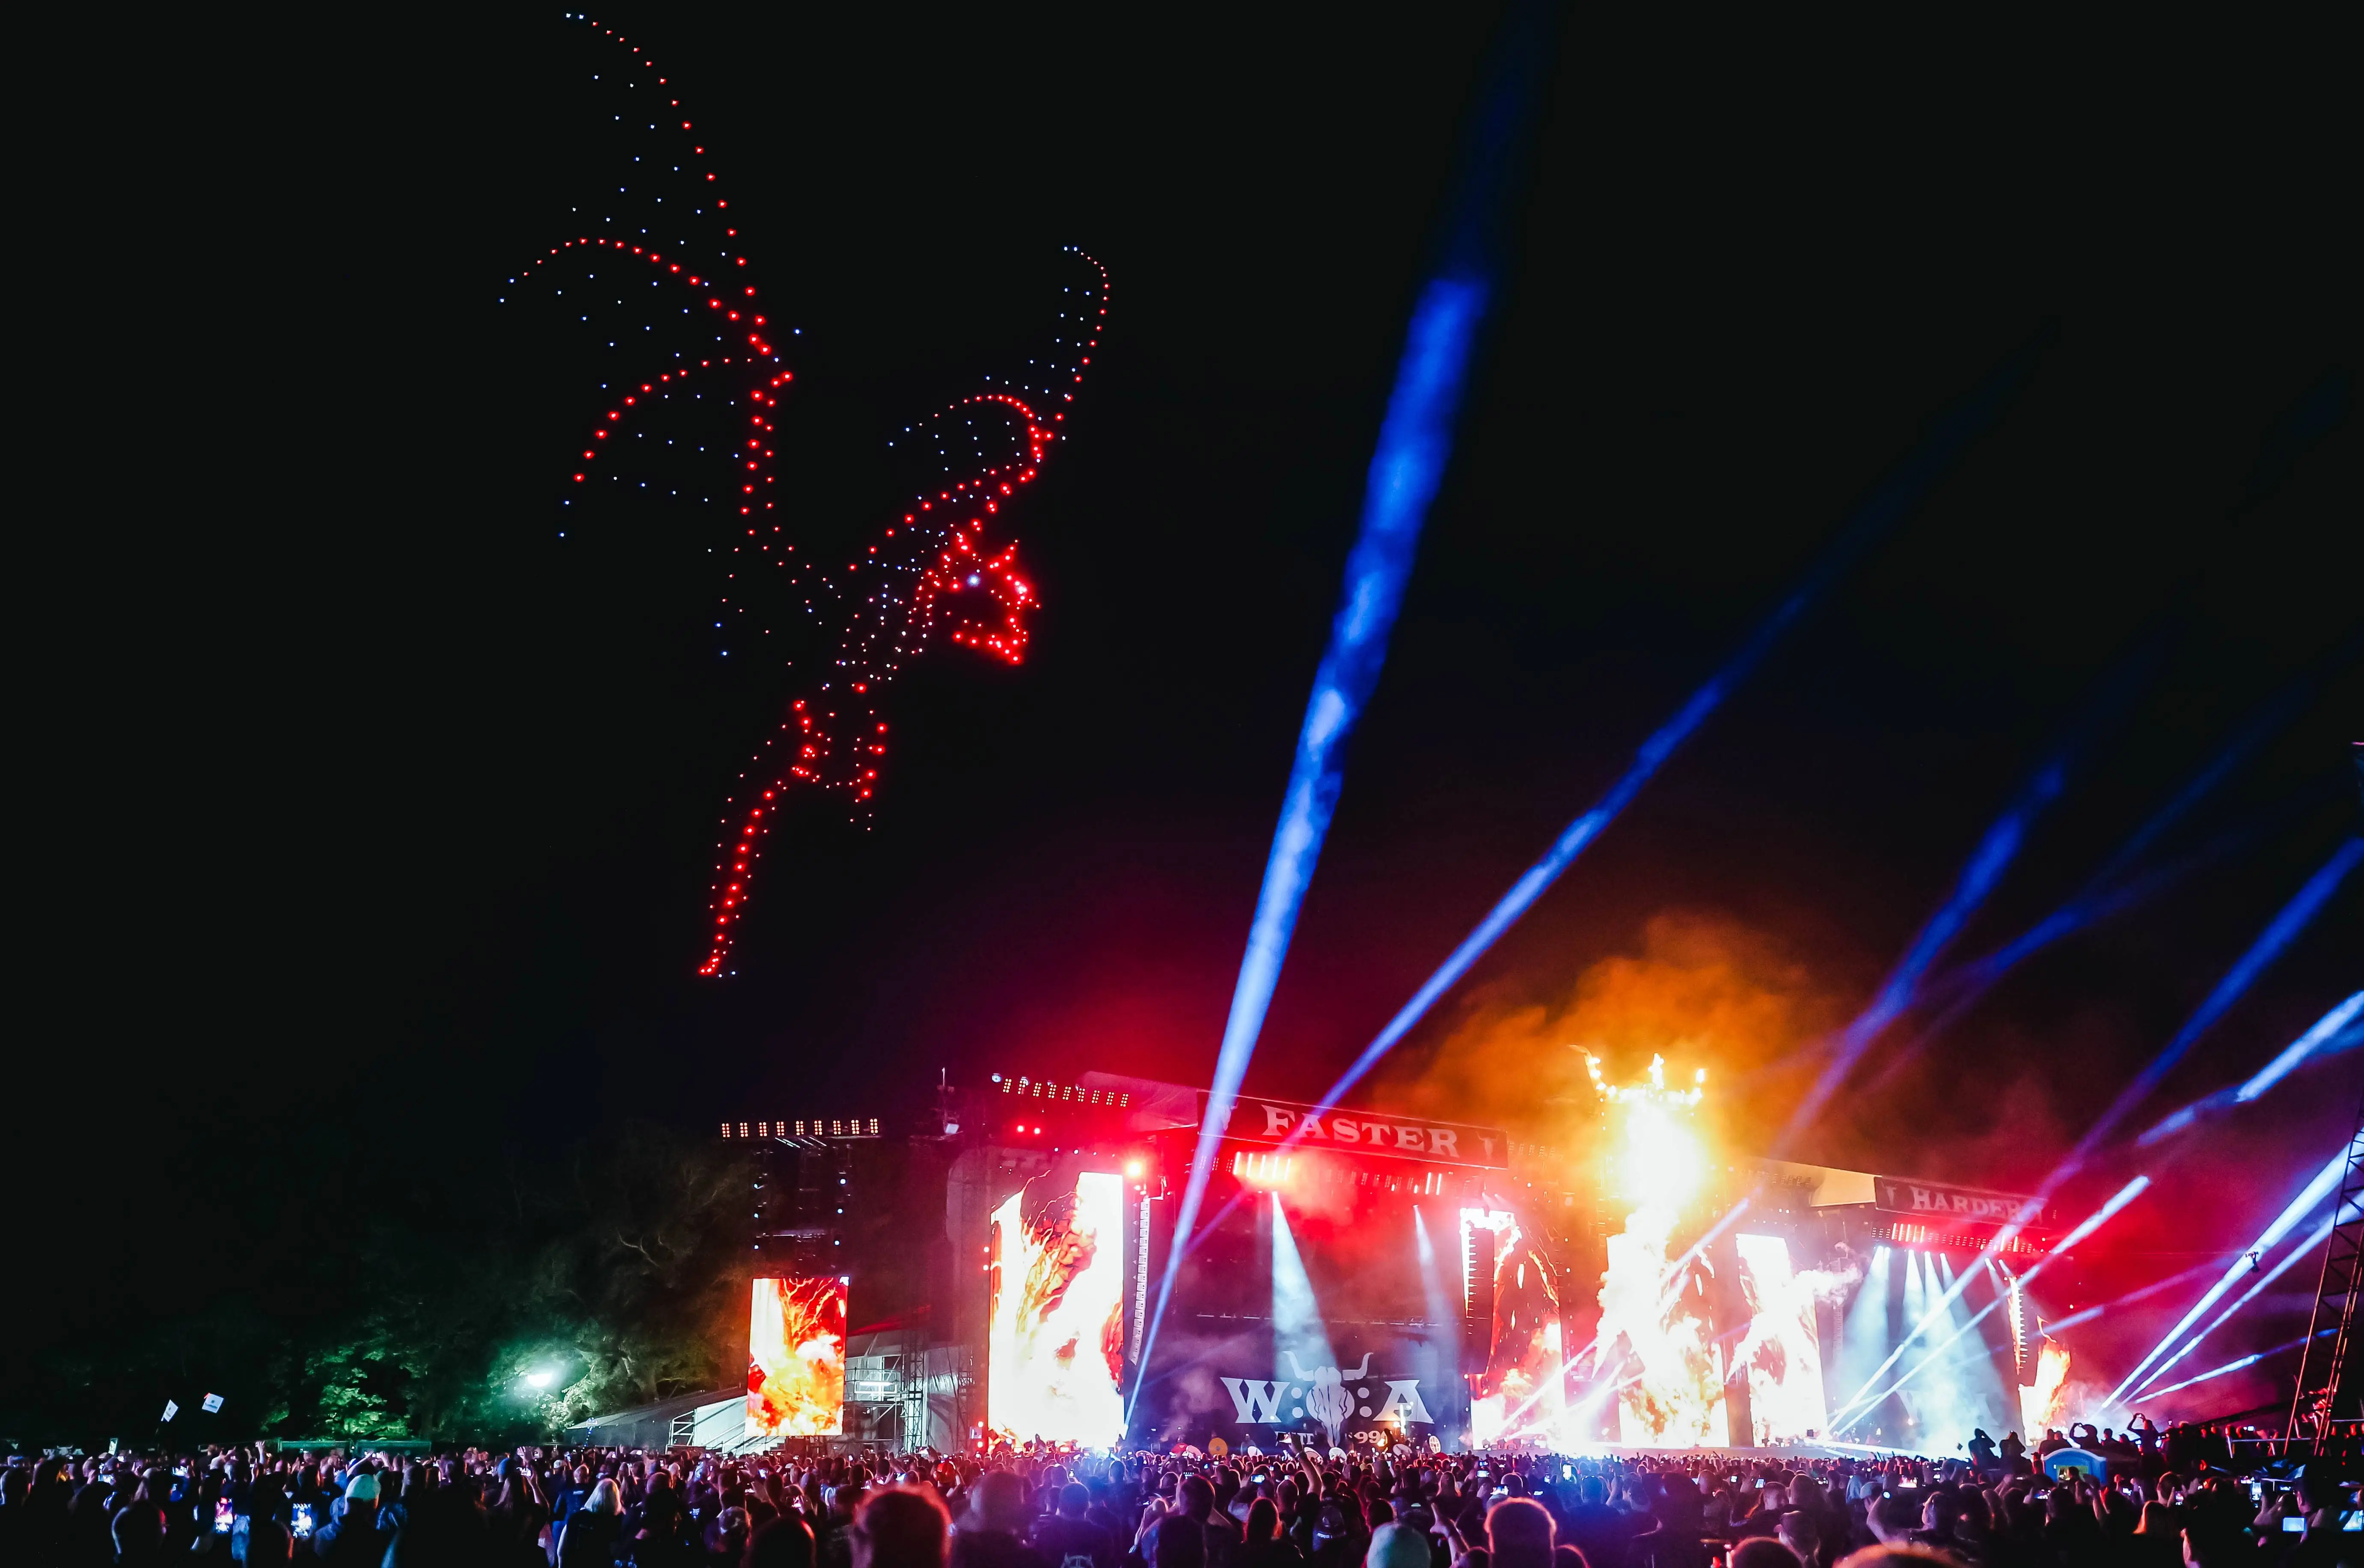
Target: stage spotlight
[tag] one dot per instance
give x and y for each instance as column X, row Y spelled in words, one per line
column 1297, row 1327
column 1134, row 1169
column 1265, row 1173
column 1859, row 1406
column 1435, row 1298
column 540, row 1380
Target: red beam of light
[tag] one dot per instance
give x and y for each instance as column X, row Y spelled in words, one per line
column 2322, row 1234
column 1953, row 1293
column 2326, row 1182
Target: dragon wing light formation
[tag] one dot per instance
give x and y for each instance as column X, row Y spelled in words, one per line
column 660, row 279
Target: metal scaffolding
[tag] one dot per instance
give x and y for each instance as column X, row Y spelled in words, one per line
column 2326, row 1385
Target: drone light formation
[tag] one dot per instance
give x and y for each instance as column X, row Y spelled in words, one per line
column 943, row 569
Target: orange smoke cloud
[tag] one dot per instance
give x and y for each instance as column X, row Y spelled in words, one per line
column 1703, row 992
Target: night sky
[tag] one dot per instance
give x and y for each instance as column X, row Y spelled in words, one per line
column 369, row 821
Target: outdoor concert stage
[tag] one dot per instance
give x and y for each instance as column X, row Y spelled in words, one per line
column 1393, row 1277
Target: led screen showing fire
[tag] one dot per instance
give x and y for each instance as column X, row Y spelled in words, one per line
column 1781, row 1349
column 1520, row 1393
column 796, row 1358
column 1056, row 1341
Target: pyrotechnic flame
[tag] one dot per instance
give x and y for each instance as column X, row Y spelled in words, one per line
column 796, row 1358
column 2044, row 1402
column 1657, row 1327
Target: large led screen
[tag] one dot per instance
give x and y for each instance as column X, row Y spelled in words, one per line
column 1055, row 1344
column 796, row 1358
column 1783, row 1354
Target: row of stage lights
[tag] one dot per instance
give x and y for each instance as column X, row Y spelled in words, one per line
column 1929, row 1239
column 850, row 1127
column 1071, row 1094
column 1276, row 1173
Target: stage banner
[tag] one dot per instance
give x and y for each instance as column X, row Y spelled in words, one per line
column 1927, row 1200
column 796, row 1358
column 1055, row 1322
column 1255, row 1119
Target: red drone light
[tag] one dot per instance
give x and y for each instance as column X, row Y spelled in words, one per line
column 934, row 578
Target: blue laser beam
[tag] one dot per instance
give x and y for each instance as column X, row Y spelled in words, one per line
column 1415, row 443
column 2322, row 1233
column 2325, row 1183
column 2105, row 892
column 1956, row 990
column 2301, row 426
column 2144, row 1293
column 1997, row 848
column 2285, row 927
column 2237, row 1365
column 2337, row 1030
column 1896, row 496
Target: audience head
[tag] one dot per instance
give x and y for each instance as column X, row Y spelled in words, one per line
column 1518, row 1534
column 784, row 1541
column 901, row 1526
column 1181, row 1542
column 1396, row 1546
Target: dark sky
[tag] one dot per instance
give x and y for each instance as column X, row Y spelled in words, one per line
column 372, row 820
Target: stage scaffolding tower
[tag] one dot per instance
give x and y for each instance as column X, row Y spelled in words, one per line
column 2327, row 1391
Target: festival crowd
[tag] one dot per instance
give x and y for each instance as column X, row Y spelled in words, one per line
column 2144, row 1505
